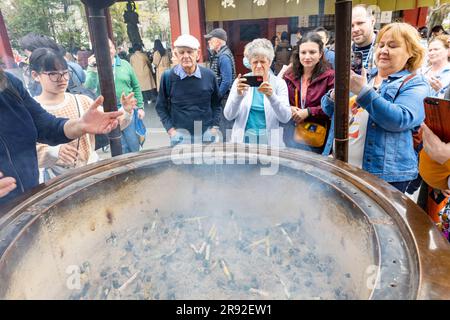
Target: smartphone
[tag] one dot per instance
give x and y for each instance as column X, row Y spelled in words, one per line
column 357, row 65
column 437, row 113
column 254, row 81
column 437, row 197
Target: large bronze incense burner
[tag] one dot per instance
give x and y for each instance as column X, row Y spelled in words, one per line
column 168, row 225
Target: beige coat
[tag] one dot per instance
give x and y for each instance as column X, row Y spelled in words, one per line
column 140, row 63
column 161, row 65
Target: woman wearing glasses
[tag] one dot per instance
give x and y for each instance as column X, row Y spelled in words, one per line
column 50, row 70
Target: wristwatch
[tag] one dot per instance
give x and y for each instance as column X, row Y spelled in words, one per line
column 309, row 112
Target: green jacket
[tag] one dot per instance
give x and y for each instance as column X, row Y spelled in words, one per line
column 124, row 78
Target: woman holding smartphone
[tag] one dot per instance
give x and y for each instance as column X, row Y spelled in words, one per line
column 438, row 73
column 308, row 79
column 389, row 108
column 258, row 109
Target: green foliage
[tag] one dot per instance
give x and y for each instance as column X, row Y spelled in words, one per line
column 118, row 24
column 437, row 15
column 65, row 20
column 158, row 17
column 54, row 18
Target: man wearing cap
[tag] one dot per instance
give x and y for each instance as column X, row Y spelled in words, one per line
column 188, row 93
column 222, row 64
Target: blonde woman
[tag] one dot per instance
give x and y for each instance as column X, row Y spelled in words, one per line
column 438, row 73
column 390, row 108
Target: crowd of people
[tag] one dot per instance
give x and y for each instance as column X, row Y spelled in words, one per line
column 286, row 98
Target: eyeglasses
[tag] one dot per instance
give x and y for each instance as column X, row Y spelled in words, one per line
column 57, row 76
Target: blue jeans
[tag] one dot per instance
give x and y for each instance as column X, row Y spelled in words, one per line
column 129, row 139
column 185, row 138
column 401, row 186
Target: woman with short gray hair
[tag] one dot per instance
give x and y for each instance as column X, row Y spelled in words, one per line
column 261, row 47
column 258, row 101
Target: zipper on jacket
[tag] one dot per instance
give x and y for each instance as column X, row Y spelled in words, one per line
column 12, row 164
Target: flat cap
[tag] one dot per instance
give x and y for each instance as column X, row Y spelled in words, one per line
column 217, row 33
column 186, row 40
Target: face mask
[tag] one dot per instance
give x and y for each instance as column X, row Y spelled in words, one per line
column 246, row 63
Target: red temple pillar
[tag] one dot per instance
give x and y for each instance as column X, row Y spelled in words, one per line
column 6, row 53
column 416, row 17
column 197, row 25
column 174, row 13
column 195, row 22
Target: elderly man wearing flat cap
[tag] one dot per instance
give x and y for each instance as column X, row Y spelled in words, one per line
column 222, row 64
column 188, row 93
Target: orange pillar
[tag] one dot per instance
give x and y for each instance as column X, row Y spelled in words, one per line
column 6, row 54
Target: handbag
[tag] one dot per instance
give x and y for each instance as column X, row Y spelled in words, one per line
column 309, row 132
column 140, row 129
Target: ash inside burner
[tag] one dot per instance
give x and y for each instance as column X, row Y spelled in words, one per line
column 178, row 256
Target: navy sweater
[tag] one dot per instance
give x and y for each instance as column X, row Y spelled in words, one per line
column 191, row 99
column 23, row 122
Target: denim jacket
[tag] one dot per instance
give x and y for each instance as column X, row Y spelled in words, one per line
column 394, row 114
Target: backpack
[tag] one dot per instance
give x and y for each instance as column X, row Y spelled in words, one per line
column 169, row 55
column 81, row 90
column 167, row 84
column 282, row 57
column 76, row 86
column 283, row 54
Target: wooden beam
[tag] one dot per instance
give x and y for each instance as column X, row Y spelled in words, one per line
column 109, row 24
column 342, row 79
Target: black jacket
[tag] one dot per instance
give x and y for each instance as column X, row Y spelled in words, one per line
column 23, row 122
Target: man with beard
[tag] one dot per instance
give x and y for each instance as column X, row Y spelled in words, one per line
column 223, row 66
